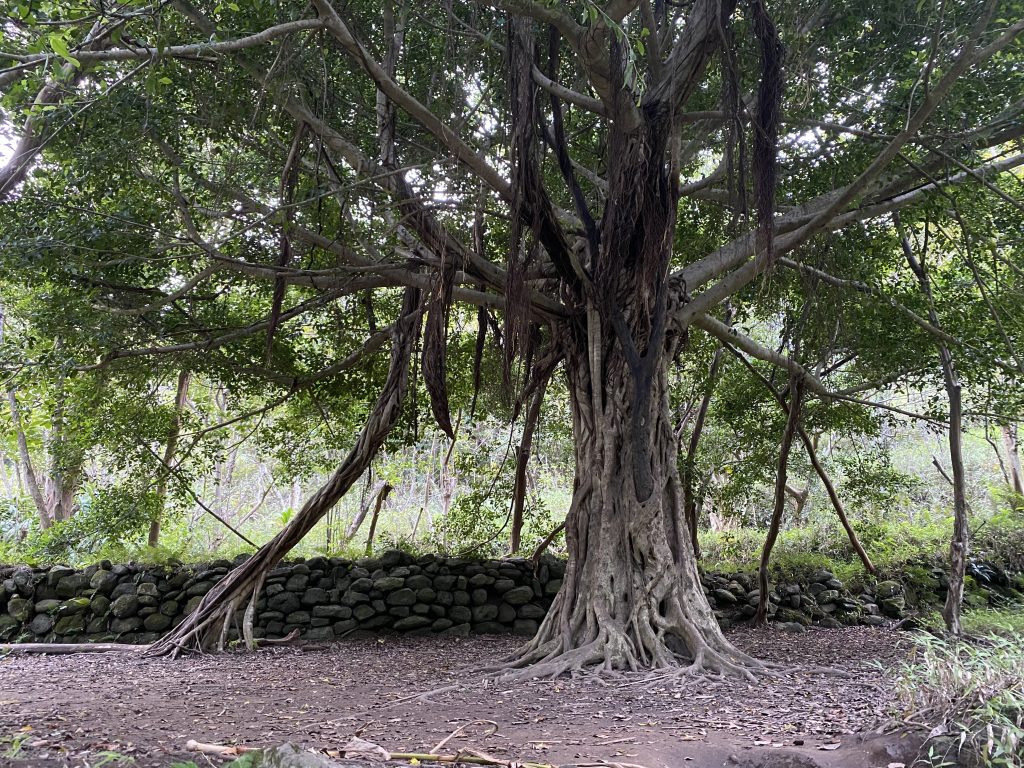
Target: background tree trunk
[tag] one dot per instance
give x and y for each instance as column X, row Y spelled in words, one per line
column 382, row 496
column 1013, row 459
column 689, row 462
column 958, row 547
column 180, row 396
column 530, row 421
column 792, row 424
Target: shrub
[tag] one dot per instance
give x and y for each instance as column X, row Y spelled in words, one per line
column 971, row 697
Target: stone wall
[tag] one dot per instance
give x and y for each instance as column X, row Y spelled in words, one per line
column 329, row 598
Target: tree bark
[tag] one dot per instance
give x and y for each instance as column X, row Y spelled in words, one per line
column 207, row 626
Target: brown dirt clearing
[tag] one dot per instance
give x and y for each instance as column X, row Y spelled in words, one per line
column 88, row 710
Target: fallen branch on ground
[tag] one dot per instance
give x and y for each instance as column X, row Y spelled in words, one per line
column 67, row 648
column 63, row 648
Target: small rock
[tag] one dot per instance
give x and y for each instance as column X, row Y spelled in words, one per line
column 482, row 613
column 20, row 608
column 723, row 596
column 363, row 611
column 518, row 595
column 120, row 626
column 888, row 588
column 531, row 611
column 70, row 625
column 125, row 605
column 459, row 630
column 41, row 624
column 314, row 596
column 332, row 611
column 103, row 582
column 157, row 622
column 525, row 627
column 297, row 583
column 73, row 607
column 70, row 586
column 322, row 634
column 388, row 583
column 459, row 614
column 419, row 581
column 404, row 596
column 410, row 623
column 47, row 606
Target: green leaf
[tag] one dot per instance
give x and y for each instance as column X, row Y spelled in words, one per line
column 60, row 47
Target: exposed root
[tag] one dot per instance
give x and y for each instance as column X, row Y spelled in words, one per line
column 613, row 651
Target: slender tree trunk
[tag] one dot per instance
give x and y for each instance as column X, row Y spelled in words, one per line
column 689, row 462
column 1013, row 459
column 181, row 393
column 792, row 422
column 530, row 421
column 31, row 480
column 958, row 547
column 382, row 496
column 363, row 511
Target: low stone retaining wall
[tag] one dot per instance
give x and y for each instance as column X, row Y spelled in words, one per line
column 330, row 598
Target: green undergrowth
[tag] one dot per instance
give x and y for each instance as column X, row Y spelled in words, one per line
column 892, row 547
column 1007, row 621
column 969, row 695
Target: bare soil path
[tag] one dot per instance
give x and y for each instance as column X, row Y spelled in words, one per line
column 88, row 710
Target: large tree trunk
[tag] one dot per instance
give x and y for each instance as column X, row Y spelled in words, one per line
column 631, row 596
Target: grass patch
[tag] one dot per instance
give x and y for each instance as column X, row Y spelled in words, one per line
column 970, row 695
column 892, row 545
column 1002, row 622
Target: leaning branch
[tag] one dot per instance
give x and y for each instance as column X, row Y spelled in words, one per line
column 812, row 454
column 190, row 51
column 730, row 335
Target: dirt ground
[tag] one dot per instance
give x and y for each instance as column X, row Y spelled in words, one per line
column 93, row 710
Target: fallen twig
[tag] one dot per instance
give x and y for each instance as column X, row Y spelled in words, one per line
column 467, row 756
column 423, row 696
column 462, row 729
column 360, row 748
column 221, row 750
